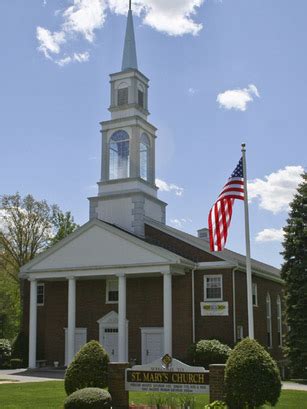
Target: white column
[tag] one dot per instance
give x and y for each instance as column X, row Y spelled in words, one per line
column 33, row 323
column 167, row 312
column 71, row 319
column 122, row 334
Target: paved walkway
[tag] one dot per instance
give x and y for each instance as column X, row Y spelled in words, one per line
column 45, row 374
column 294, row 386
column 26, row 375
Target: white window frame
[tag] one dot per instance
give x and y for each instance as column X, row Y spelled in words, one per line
column 108, row 281
column 240, row 330
column 268, row 308
column 42, row 285
column 256, row 294
column 205, row 287
column 279, row 320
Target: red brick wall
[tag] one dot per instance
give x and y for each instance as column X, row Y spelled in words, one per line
column 145, row 307
column 220, row 328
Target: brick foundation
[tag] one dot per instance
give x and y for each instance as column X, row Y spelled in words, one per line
column 120, row 397
column 216, row 382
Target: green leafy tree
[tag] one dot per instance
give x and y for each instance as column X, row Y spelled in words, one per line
column 294, row 273
column 25, row 231
column 64, row 224
column 27, row 227
column 9, row 306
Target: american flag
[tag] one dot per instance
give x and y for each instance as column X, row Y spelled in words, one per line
column 220, row 215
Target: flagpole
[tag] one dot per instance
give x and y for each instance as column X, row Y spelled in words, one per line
column 248, row 251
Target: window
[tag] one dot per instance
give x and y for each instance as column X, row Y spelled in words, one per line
column 279, row 321
column 239, row 332
column 144, row 156
column 122, row 96
column 255, row 295
column 119, row 155
column 40, row 294
column 112, row 291
column 141, row 98
column 269, row 320
column 213, row 287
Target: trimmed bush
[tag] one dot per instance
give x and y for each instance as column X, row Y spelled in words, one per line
column 16, row 363
column 5, row 352
column 88, row 398
column 251, row 377
column 89, row 368
column 206, row 352
column 20, row 348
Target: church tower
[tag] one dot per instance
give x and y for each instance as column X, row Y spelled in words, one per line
column 127, row 193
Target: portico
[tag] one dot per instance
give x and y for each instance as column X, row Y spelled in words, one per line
column 162, row 266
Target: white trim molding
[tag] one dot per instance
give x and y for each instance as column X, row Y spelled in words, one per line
column 206, row 277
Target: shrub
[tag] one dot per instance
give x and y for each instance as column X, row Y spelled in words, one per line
column 5, row 352
column 20, row 348
column 217, row 404
column 89, row 368
column 206, row 352
column 16, row 363
column 251, row 377
column 88, row 398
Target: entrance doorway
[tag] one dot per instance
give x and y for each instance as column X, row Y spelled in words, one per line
column 108, row 335
column 80, row 340
column 152, row 344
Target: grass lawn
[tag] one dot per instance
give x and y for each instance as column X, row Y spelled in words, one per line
column 51, row 395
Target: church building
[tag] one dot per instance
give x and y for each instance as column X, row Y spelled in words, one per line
column 125, row 278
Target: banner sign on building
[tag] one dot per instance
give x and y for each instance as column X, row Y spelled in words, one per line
column 214, row 308
column 167, row 375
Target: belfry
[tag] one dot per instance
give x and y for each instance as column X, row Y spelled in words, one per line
column 127, row 193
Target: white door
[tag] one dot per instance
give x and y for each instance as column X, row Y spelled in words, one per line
column 109, row 340
column 108, row 335
column 152, row 344
column 80, row 340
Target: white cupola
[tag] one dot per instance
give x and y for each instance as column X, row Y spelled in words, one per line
column 127, row 193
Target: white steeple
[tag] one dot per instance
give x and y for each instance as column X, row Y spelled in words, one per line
column 127, row 193
column 129, row 54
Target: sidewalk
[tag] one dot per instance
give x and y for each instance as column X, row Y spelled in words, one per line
column 294, row 386
column 27, row 375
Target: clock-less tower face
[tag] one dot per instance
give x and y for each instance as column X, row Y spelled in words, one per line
column 127, row 193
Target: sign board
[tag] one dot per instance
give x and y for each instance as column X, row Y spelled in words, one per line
column 167, row 375
column 214, row 308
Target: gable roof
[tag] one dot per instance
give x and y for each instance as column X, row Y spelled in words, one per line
column 99, row 244
column 232, row 257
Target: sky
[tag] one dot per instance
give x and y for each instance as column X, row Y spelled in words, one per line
column 222, row 72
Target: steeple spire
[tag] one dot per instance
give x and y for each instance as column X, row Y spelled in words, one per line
column 129, row 55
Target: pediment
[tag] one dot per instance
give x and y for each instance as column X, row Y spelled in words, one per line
column 109, row 319
column 99, row 245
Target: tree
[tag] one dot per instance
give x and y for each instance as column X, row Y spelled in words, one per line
column 9, row 307
column 294, row 273
column 27, row 227
column 26, row 230
column 64, row 224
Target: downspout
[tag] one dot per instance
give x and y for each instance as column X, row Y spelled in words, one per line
column 234, row 318
column 193, row 307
